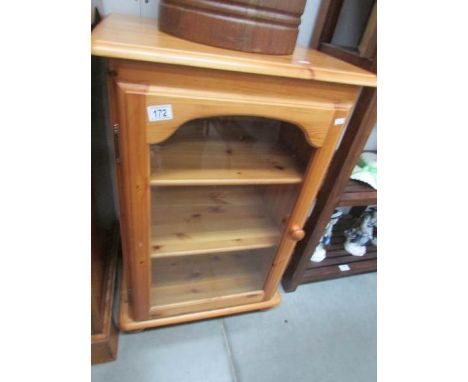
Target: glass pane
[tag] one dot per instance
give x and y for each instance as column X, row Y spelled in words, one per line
column 222, row 191
column 192, row 278
column 191, row 220
column 230, row 150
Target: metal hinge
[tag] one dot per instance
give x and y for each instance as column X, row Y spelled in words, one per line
column 116, row 132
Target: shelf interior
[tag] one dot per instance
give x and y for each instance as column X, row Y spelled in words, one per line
column 188, row 280
column 222, row 192
column 209, row 219
column 223, row 151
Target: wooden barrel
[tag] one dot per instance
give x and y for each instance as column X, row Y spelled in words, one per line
column 261, row 26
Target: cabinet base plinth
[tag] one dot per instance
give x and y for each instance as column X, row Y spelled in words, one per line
column 128, row 324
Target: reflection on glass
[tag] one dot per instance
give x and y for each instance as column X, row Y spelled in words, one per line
column 191, row 278
column 222, row 191
column 241, row 150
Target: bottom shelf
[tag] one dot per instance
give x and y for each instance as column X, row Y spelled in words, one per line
column 126, row 322
column 334, row 271
column 184, row 284
column 336, row 255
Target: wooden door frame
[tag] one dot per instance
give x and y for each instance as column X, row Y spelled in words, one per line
column 315, row 173
column 133, row 188
column 133, row 170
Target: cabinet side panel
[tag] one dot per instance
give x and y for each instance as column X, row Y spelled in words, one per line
column 114, row 121
column 134, row 199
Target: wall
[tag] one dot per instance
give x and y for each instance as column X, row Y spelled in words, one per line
column 145, row 8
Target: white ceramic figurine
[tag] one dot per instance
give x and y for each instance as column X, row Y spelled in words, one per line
column 361, row 233
column 320, row 252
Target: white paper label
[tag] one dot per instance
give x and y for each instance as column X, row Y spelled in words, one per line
column 159, row 113
column 344, row 267
column 340, row 121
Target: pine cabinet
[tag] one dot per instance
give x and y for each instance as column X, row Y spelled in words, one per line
column 219, row 157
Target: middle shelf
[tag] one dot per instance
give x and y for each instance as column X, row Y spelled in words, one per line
column 210, row 219
column 216, row 162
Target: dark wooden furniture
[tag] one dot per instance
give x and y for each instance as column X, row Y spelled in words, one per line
column 364, row 54
column 357, row 195
column 104, row 256
column 337, row 190
column 262, row 26
column 105, row 235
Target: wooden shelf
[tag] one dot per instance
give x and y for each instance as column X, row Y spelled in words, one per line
column 333, row 271
column 128, row 323
column 197, row 220
column 340, row 256
column 357, row 194
column 336, row 255
column 217, row 162
column 186, row 283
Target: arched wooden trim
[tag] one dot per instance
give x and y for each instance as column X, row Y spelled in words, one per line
column 314, row 118
column 158, row 134
column 314, row 123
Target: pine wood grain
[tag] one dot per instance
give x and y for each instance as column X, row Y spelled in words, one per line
column 134, row 195
column 207, row 304
column 219, row 162
column 249, row 227
column 203, row 82
column 200, row 93
column 185, row 283
column 136, row 38
column 194, row 220
column 314, row 175
column 243, row 304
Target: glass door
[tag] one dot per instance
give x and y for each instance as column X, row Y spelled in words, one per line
column 222, row 190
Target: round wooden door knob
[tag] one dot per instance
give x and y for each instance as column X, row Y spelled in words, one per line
column 297, row 233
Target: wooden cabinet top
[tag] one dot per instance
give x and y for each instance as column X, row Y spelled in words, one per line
column 137, row 38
